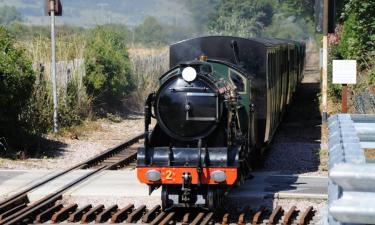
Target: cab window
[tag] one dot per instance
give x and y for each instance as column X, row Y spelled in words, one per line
column 238, row 80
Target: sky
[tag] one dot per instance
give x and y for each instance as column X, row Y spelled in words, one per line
column 88, row 13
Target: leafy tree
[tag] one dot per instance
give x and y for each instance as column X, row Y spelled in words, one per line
column 358, row 37
column 241, row 18
column 9, row 14
column 201, row 11
column 151, row 31
column 289, row 27
column 298, row 8
column 292, row 20
column 16, row 80
column 108, row 73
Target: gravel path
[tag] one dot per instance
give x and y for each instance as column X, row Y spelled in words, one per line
column 296, row 145
column 299, row 144
column 71, row 151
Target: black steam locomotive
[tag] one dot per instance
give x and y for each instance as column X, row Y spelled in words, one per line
column 216, row 109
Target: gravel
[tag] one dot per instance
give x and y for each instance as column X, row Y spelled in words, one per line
column 71, row 151
column 299, row 146
column 107, row 201
column 296, row 147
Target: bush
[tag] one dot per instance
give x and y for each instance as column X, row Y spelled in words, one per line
column 16, row 80
column 108, row 72
column 371, row 76
column 358, row 37
column 75, row 107
column 150, row 32
column 38, row 112
column 241, row 18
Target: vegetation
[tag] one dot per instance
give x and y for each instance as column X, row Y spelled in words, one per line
column 201, row 12
column 17, row 79
column 108, row 74
column 355, row 39
column 148, row 64
column 123, row 61
column 292, row 20
column 241, row 18
column 271, row 18
column 358, row 35
column 9, row 14
column 150, row 32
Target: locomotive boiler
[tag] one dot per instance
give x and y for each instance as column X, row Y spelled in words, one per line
column 216, row 110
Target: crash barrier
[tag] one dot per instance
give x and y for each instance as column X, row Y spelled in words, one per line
column 351, row 189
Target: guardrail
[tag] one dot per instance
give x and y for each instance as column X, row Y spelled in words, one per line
column 351, row 189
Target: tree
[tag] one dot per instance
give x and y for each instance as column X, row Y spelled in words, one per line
column 16, row 80
column 241, row 18
column 150, row 31
column 201, row 11
column 108, row 73
column 298, row 8
column 9, row 14
column 358, row 37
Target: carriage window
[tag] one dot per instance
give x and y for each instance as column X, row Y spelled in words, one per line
column 238, row 80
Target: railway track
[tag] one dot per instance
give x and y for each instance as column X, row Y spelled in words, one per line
column 19, row 210
column 17, row 206
column 53, row 212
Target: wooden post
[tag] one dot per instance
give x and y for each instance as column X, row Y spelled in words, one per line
column 344, row 98
column 325, row 62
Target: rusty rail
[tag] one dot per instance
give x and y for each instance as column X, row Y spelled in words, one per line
column 15, row 208
column 54, row 212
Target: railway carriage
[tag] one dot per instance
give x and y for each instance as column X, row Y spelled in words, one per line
column 216, row 109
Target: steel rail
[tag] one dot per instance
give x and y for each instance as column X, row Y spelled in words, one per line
column 141, row 215
column 83, row 165
column 20, row 199
column 45, row 201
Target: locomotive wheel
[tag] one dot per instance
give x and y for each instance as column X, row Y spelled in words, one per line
column 165, row 202
column 211, row 200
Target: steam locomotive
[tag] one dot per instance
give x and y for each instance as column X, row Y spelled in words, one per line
column 216, row 110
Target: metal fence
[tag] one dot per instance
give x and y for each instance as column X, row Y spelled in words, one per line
column 351, row 190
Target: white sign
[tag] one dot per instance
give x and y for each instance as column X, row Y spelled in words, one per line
column 344, row 72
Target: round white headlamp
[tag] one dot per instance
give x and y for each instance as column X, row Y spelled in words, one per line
column 219, row 176
column 189, row 74
column 153, row 175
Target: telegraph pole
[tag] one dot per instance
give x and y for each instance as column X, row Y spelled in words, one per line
column 53, row 65
column 53, row 9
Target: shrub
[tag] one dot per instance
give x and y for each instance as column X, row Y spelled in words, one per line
column 241, row 18
column 150, row 32
column 371, row 76
column 358, row 36
column 75, row 106
column 334, row 90
column 16, row 80
column 108, row 72
column 38, row 112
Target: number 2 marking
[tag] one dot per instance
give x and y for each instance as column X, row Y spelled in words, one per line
column 169, row 174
